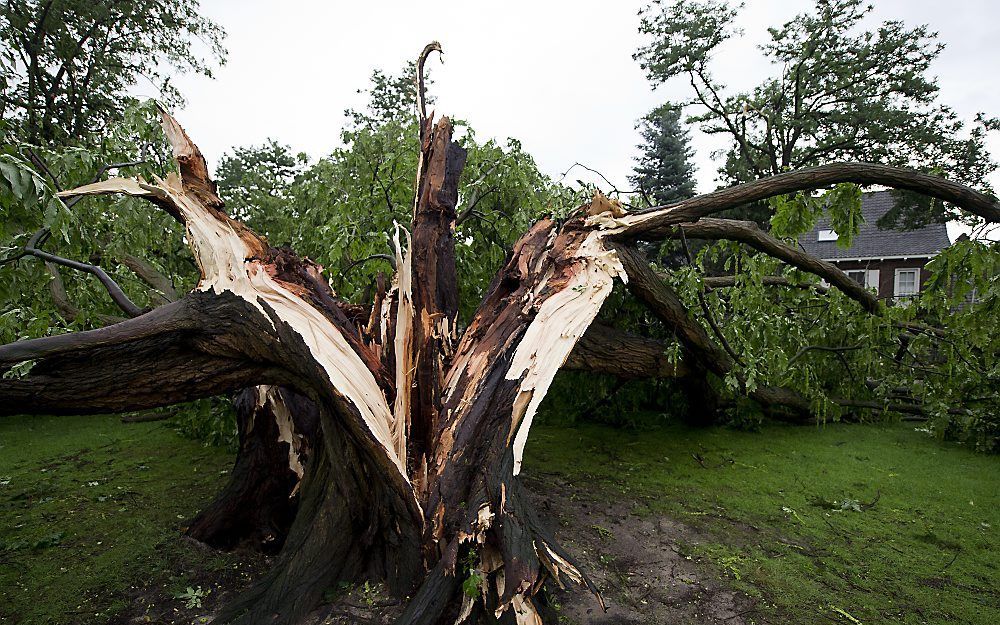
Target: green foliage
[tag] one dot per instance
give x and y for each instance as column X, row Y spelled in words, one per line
column 212, row 421
column 66, row 65
column 96, row 230
column 192, row 596
column 825, row 347
column 342, row 210
column 845, row 90
column 472, row 585
column 962, row 362
column 633, row 404
column 794, row 215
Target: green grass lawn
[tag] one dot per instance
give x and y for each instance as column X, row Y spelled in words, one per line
column 842, row 523
column 90, row 509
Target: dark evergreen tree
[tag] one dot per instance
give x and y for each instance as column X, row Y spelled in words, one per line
column 664, row 171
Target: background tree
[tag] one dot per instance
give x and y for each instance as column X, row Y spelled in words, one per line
column 664, row 171
column 845, row 91
column 67, row 65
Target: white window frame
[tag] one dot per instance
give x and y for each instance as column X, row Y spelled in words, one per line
column 869, row 279
column 916, row 282
column 872, row 280
column 826, row 235
column 864, row 275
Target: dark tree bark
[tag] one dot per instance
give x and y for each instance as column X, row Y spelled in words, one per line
column 276, row 428
column 381, row 444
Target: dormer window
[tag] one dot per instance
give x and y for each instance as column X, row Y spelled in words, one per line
column 827, row 235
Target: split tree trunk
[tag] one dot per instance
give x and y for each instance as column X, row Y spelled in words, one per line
column 382, row 445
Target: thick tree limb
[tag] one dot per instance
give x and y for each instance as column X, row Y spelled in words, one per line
column 176, row 353
column 603, row 349
column 655, row 223
column 749, row 233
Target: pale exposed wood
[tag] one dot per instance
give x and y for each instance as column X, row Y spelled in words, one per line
column 560, row 321
column 403, row 344
column 229, row 258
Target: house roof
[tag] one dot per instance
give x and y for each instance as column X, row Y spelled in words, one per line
column 873, row 242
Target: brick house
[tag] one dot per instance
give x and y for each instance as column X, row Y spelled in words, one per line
column 890, row 260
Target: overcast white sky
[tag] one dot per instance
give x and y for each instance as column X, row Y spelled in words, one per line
column 559, row 76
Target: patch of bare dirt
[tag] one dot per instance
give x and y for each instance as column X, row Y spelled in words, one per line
column 636, row 559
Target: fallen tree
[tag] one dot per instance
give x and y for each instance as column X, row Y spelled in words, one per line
column 384, row 443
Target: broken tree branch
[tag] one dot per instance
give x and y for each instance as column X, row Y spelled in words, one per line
column 655, row 222
column 749, row 233
column 723, row 282
column 603, row 349
column 117, row 294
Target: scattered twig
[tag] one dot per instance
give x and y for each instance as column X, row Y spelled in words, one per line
column 148, row 417
column 386, row 257
column 952, row 561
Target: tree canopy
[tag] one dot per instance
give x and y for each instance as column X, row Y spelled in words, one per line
column 66, row 66
column 845, row 89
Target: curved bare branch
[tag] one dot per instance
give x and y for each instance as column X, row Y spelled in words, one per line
column 114, row 290
column 433, row 46
column 656, row 222
column 749, row 233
